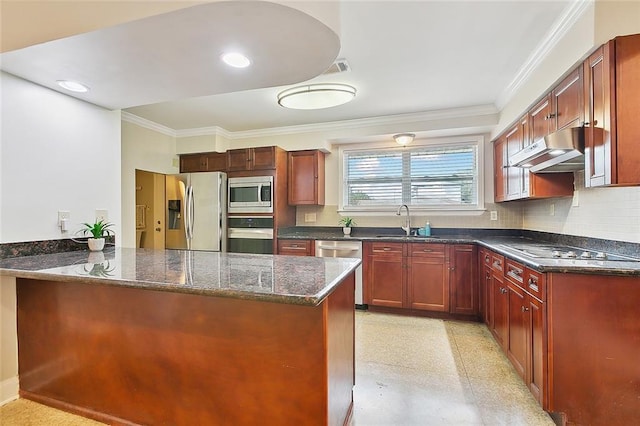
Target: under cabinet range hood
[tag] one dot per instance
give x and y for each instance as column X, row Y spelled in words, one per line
column 561, row 151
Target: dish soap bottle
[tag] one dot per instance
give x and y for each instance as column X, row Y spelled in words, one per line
column 427, row 229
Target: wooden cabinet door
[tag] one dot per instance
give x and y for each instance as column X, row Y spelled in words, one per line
column 216, row 162
column 540, row 122
column 568, row 105
column 193, row 163
column 306, row 177
column 518, row 326
column 263, row 158
column 598, row 109
column 499, row 167
column 239, row 159
column 296, row 247
column 500, row 309
column 463, row 279
column 427, row 278
column 514, row 175
column 385, row 274
column 537, row 369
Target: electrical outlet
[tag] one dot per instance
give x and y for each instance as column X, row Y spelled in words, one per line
column 102, row 214
column 309, row 217
column 494, row 215
column 63, row 220
column 552, row 209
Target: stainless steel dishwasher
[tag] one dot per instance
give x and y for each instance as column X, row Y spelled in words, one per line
column 344, row 249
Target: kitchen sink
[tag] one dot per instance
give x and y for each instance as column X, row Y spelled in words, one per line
column 406, row 237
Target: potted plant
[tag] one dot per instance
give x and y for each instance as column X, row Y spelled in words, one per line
column 98, row 231
column 347, row 222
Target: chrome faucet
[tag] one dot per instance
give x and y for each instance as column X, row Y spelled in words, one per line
column 407, row 227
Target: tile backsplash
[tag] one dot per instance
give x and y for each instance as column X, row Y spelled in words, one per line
column 509, row 216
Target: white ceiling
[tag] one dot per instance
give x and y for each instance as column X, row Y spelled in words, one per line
column 405, row 57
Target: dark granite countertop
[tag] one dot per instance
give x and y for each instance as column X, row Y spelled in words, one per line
column 281, row 279
column 497, row 240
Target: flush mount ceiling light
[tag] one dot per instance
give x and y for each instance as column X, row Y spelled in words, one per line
column 73, row 86
column 316, row 96
column 236, row 60
column 404, row 138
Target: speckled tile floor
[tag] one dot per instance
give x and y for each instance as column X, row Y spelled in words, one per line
column 409, row 371
column 421, row 371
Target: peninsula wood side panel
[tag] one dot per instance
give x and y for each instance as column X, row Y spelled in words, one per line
column 126, row 355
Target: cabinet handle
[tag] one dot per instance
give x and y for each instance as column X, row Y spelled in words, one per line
column 525, row 309
column 453, row 268
column 427, row 250
column 386, row 248
column 549, row 116
column 503, row 290
column 533, row 284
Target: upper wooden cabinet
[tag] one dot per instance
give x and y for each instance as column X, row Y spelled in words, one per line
column 306, row 177
column 499, row 167
column 611, row 111
column 567, row 97
column 203, row 162
column 261, row 158
column 517, row 183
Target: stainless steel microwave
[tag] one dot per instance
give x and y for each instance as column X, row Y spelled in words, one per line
column 250, row 194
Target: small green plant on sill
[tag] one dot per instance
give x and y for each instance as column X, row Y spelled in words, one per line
column 347, row 222
column 98, row 229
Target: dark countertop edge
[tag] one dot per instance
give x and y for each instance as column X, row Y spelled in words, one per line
column 470, row 239
column 289, row 299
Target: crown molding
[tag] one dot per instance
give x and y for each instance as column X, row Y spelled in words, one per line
column 473, row 111
column 564, row 23
column 148, row 124
column 205, row 131
column 442, row 114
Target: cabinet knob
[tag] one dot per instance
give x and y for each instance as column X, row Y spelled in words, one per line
column 525, row 309
column 158, row 229
column 503, row 290
column 549, row 116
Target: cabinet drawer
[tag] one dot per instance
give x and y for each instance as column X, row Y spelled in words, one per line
column 485, row 257
column 426, row 250
column 382, row 248
column 497, row 262
column 535, row 284
column 514, row 272
column 295, row 247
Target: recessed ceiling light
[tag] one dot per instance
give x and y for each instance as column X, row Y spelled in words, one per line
column 73, row 86
column 316, row 96
column 236, row 60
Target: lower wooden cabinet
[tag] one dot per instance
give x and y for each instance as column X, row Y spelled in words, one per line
column 515, row 312
column 462, row 279
column 428, row 278
column 296, row 247
column 385, row 274
column 421, row 277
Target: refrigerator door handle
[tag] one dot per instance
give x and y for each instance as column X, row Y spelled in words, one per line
column 187, row 214
column 192, row 209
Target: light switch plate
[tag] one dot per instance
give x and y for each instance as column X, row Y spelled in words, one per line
column 494, row 215
column 552, row 209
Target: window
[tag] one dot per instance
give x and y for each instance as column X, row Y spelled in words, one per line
column 443, row 176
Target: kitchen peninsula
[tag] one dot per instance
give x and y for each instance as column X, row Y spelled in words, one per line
column 134, row 336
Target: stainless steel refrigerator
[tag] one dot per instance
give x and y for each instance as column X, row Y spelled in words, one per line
column 196, row 215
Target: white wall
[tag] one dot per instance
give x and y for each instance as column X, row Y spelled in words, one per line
column 142, row 149
column 56, row 153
